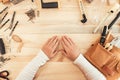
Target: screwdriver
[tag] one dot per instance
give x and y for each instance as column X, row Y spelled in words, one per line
column 114, row 20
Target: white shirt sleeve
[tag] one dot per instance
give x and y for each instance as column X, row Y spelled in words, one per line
column 88, row 69
column 30, row 70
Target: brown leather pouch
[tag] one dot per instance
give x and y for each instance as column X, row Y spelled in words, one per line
column 100, row 55
column 108, row 62
column 110, row 67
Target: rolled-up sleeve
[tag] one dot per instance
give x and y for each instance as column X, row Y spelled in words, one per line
column 30, row 70
column 88, row 69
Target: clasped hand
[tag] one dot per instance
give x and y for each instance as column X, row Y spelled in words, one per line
column 50, row 48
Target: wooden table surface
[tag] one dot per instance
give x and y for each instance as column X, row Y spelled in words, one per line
column 62, row 21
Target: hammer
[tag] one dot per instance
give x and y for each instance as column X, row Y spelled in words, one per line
column 49, row 4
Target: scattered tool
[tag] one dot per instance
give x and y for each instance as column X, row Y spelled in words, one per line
column 12, row 21
column 84, row 20
column 114, row 20
column 4, row 75
column 2, row 47
column 103, row 36
column 4, row 10
column 108, row 46
column 3, row 59
column 16, row 1
column 16, row 38
column 4, row 24
column 13, row 28
column 31, row 14
column 112, row 10
column 3, row 17
column 49, row 4
column 114, row 42
column 89, row 1
column 19, row 40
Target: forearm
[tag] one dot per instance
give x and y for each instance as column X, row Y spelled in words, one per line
column 89, row 70
column 30, row 70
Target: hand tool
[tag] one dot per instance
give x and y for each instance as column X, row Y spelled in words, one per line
column 49, row 4
column 84, row 20
column 108, row 46
column 16, row 38
column 19, row 40
column 3, row 59
column 31, row 14
column 3, row 17
column 103, row 35
column 112, row 10
column 4, row 75
column 4, row 10
column 13, row 28
column 12, row 21
column 114, row 20
column 2, row 47
column 4, row 24
column 114, row 42
column 16, row 1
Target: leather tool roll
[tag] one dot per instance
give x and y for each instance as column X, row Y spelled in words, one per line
column 107, row 62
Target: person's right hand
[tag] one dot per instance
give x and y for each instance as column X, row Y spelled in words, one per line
column 50, row 47
column 69, row 48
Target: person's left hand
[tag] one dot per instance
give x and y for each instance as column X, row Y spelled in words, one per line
column 70, row 48
column 50, row 47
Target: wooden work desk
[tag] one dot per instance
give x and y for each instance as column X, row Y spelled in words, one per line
column 62, row 21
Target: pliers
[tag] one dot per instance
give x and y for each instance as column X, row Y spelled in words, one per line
column 4, row 75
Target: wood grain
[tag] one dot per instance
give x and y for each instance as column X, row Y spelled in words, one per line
column 62, row 21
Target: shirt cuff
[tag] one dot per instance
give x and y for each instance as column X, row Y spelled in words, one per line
column 30, row 70
column 91, row 72
column 41, row 57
